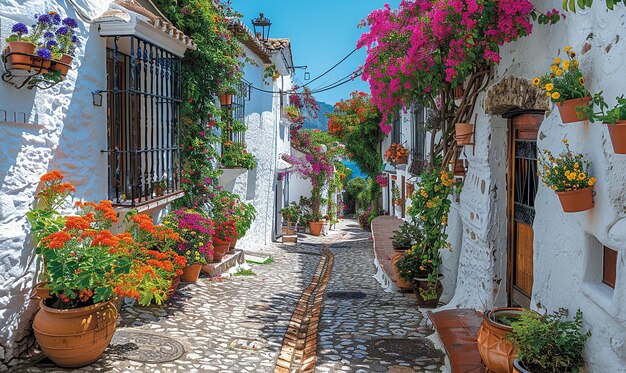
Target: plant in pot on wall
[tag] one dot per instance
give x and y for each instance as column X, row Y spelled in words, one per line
column 20, row 47
column 196, row 240
column 568, row 176
column 226, row 93
column 564, row 84
column 615, row 118
column 62, row 46
column 397, row 154
column 293, row 113
column 159, row 187
column 235, row 155
column 548, row 343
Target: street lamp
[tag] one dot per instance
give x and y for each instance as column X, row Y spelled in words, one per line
column 264, row 24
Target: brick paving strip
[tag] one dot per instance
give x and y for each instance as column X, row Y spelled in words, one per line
column 299, row 349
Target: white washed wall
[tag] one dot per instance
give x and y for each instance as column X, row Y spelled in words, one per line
column 64, row 131
column 567, row 247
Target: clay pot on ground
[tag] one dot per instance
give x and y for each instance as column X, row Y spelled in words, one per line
column 226, row 99
column 567, row 109
column 191, row 273
column 618, row 136
column 576, row 200
column 288, row 230
column 62, row 65
column 233, row 243
column 495, row 350
column 402, row 283
column 173, row 287
column 21, row 61
column 75, row 337
column 464, row 133
column 220, row 248
column 316, row 227
column 420, row 285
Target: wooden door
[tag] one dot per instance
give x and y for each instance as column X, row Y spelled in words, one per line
column 522, row 185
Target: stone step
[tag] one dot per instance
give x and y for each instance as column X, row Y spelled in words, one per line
column 229, row 261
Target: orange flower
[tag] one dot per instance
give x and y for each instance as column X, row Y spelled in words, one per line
column 56, row 240
column 77, row 222
column 53, row 175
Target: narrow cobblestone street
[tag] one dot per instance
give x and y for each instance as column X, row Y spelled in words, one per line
column 238, row 324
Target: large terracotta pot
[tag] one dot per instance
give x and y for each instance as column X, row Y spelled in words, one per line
column 191, row 273
column 402, row 283
column 75, row 337
column 64, row 65
column 576, row 200
column 219, row 249
column 423, row 284
column 226, row 99
column 495, row 350
column 567, row 109
column 316, row 227
column 173, row 287
column 21, row 61
column 618, row 136
column 464, row 133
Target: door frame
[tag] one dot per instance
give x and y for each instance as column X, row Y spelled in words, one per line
column 528, row 123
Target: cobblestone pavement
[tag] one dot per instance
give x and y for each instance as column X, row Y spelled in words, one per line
column 238, row 324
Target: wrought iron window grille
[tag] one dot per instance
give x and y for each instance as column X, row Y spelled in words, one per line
column 144, row 98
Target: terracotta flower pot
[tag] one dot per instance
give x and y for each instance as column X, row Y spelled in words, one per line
column 42, row 290
column 173, row 287
column 576, row 200
column 459, row 168
column 219, row 249
column 21, row 61
column 495, row 350
column 226, row 99
column 40, row 65
column 423, row 284
column 75, row 337
column 288, row 230
column 233, row 243
column 158, row 191
column 618, row 136
column 64, row 65
column 402, row 283
column 567, row 109
column 191, row 273
column 316, row 227
column 403, row 159
column 464, row 132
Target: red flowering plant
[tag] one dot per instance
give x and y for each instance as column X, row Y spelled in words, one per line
column 424, row 49
column 228, row 206
column 88, row 264
column 196, row 235
column 225, row 231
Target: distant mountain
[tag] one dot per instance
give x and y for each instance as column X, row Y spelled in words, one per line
column 321, row 122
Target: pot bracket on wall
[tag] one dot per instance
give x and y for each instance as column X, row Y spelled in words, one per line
column 39, row 75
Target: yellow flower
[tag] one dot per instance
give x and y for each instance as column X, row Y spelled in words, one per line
column 564, row 141
column 536, row 82
column 554, row 187
column 553, row 68
column 557, row 61
column 548, row 94
column 566, row 64
column 576, row 165
column 549, row 87
column 567, row 49
column 558, row 72
column 567, row 173
column 582, row 176
column 576, row 63
column 581, row 80
column 556, row 95
column 592, row 181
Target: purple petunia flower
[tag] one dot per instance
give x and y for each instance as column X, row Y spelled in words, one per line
column 48, row 35
column 56, row 18
column 74, row 39
column 44, row 53
column 44, row 18
column 70, row 22
column 51, row 43
column 20, row 29
column 62, row 31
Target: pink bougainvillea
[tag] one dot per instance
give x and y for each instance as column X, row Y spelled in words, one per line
column 424, row 45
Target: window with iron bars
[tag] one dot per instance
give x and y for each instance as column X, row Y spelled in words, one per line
column 419, row 156
column 396, row 130
column 144, row 114
column 237, row 113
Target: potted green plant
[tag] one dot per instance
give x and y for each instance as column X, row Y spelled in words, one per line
column 496, row 351
column 615, row 118
column 564, row 84
column 235, row 155
column 316, row 223
column 226, row 93
column 568, row 176
column 396, row 197
column 548, row 344
column 406, row 236
column 293, row 113
column 159, row 187
column 62, row 45
column 290, row 216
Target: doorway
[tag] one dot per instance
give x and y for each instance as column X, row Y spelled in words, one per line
column 522, row 185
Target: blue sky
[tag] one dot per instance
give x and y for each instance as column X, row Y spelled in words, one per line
column 322, row 32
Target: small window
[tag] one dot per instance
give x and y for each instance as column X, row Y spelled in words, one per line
column 609, row 268
column 396, row 130
column 237, row 114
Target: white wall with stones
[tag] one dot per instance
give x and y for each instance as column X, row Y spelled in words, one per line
column 567, row 247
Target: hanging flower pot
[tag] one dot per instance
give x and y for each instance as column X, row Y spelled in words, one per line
column 316, row 227
column 464, row 133
column 75, row 337
column 220, row 248
column 576, row 200
column 21, row 54
column 567, row 109
column 618, row 136
column 226, row 99
column 427, row 294
column 495, row 350
column 191, row 273
column 62, row 65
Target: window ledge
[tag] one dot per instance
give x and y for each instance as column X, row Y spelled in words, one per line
column 230, row 174
column 602, row 295
column 152, row 204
